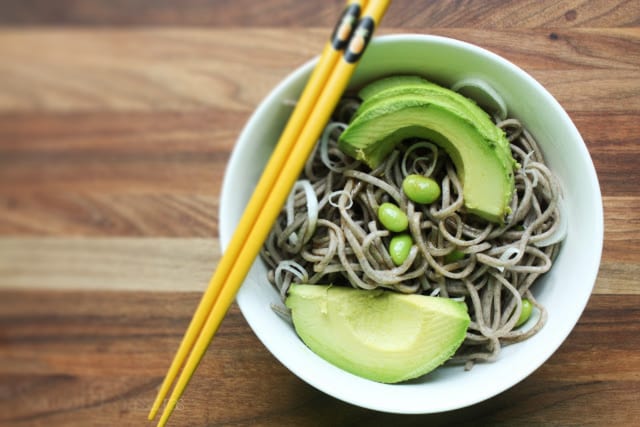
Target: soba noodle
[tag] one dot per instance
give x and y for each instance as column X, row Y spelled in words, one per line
column 328, row 234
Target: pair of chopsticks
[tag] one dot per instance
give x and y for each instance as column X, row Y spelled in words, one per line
column 311, row 114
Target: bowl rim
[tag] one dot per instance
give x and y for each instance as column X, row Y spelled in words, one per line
column 343, row 393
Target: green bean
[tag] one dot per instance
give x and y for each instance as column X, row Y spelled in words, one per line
column 525, row 314
column 399, row 248
column 392, row 217
column 421, row 189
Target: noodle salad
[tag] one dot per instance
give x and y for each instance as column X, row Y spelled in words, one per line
column 329, row 233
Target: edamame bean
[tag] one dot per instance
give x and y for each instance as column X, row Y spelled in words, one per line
column 525, row 314
column 399, row 248
column 421, row 189
column 453, row 256
column 392, row 217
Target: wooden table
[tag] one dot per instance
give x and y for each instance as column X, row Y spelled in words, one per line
column 116, row 122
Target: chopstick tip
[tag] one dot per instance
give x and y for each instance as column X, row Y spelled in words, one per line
column 154, row 409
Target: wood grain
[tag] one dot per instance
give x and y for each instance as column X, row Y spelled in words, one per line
column 173, row 264
column 90, row 212
column 117, row 120
column 152, row 264
column 188, row 152
column 71, row 70
column 77, row 356
column 277, row 13
column 124, row 153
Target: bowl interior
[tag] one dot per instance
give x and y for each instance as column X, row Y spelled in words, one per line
column 565, row 290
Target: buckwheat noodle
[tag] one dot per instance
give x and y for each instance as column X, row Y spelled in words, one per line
column 328, row 234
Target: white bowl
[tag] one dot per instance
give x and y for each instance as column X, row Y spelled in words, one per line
column 565, row 290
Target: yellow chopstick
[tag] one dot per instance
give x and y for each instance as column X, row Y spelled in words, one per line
column 320, row 114
column 316, row 82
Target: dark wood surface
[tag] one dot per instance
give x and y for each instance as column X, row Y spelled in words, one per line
column 117, row 119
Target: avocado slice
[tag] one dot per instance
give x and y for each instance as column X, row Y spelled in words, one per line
column 380, row 335
column 383, row 89
column 398, row 108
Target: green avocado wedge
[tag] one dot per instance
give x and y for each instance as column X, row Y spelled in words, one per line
column 380, row 335
column 402, row 107
column 381, row 90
